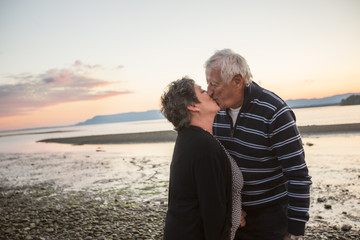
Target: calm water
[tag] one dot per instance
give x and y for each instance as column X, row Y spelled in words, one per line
column 327, row 115
column 10, row 142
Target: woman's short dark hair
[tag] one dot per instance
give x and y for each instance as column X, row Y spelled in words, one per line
column 175, row 100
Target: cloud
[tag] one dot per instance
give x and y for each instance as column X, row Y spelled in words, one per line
column 80, row 66
column 52, row 87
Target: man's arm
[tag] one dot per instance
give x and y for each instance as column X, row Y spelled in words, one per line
column 287, row 144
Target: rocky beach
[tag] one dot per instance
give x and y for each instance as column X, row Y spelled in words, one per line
column 104, row 194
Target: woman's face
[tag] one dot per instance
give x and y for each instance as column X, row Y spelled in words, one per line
column 207, row 104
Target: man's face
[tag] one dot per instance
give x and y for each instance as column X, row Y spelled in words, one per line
column 225, row 96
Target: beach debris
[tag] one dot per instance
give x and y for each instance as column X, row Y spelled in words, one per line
column 346, row 227
column 100, row 150
column 327, row 206
column 321, row 199
column 309, row 144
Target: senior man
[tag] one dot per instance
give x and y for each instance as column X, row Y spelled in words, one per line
column 259, row 130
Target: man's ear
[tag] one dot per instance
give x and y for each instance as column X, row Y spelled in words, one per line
column 193, row 108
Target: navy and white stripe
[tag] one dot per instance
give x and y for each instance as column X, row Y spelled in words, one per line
column 267, row 147
column 261, row 103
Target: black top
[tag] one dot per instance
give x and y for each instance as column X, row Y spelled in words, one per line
column 199, row 204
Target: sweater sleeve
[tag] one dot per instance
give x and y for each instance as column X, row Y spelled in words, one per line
column 287, row 144
column 211, row 180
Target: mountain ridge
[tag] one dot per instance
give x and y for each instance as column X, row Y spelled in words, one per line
column 123, row 117
column 318, row 102
column 156, row 114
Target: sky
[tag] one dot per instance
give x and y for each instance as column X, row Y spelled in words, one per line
column 65, row 61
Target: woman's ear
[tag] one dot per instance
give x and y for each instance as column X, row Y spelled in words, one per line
column 193, row 108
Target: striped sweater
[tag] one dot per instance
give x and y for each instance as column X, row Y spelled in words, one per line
column 267, row 147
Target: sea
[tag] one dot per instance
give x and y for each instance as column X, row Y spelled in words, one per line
column 26, row 141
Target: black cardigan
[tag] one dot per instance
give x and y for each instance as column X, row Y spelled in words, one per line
column 199, row 204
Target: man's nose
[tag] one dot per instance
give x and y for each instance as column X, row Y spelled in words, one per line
column 210, row 91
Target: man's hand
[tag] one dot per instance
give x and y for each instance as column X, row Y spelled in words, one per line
column 243, row 221
column 289, row 236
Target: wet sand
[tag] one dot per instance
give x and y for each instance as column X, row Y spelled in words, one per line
column 170, row 136
column 145, row 137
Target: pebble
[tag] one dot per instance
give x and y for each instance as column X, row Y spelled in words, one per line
column 346, row 228
column 327, row 206
column 321, row 199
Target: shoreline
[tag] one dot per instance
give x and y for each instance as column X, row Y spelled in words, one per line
column 122, row 138
column 170, row 135
column 329, row 129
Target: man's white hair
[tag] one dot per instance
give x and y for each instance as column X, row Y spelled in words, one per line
column 230, row 64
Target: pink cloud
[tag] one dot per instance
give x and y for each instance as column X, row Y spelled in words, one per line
column 53, row 87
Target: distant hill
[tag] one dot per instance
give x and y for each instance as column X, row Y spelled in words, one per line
column 352, row 100
column 156, row 114
column 318, row 102
column 124, row 117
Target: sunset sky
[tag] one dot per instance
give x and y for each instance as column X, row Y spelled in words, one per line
column 65, row 61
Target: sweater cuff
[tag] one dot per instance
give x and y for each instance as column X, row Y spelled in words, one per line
column 296, row 228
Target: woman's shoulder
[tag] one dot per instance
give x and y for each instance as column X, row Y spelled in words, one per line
column 197, row 136
column 196, row 139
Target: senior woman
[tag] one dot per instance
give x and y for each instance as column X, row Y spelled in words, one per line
column 205, row 183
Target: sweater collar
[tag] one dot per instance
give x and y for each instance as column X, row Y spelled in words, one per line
column 250, row 91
